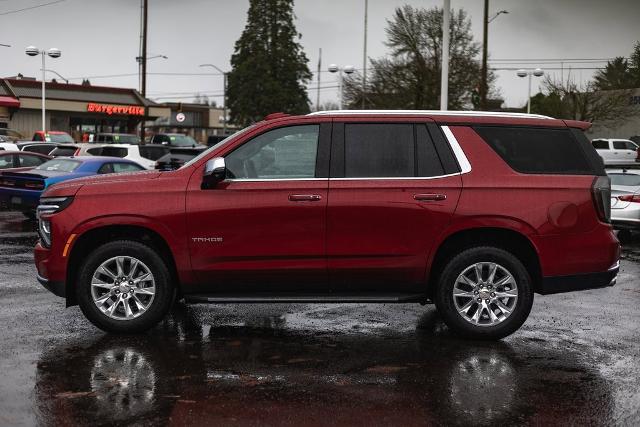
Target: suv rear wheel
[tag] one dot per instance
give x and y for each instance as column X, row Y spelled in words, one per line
column 484, row 293
column 124, row 286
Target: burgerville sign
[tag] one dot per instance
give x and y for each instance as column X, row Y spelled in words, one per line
column 110, row 109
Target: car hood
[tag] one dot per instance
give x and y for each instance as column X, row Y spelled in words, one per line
column 70, row 188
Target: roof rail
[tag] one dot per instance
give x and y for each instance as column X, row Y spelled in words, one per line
column 430, row 113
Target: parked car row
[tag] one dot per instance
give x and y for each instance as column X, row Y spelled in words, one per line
column 617, row 151
column 20, row 188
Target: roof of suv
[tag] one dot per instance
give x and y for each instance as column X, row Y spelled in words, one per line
column 457, row 117
column 430, row 113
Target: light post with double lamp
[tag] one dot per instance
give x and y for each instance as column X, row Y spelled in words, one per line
column 347, row 69
column 224, row 96
column 54, row 53
column 524, row 73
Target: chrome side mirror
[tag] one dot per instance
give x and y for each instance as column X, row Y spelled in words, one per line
column 214, row 172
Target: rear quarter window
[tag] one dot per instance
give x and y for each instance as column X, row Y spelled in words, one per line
column 539, row 150
column 599, row 144
column 114, row 152
column 63, row 151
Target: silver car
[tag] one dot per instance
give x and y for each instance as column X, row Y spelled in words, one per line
column 625, row 198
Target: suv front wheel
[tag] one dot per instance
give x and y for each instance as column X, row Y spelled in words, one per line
column 124, row 286
column 484, row 293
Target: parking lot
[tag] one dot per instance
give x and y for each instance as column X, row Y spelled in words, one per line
column 575, row 361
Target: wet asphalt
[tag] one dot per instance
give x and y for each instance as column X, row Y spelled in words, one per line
column 576, row 361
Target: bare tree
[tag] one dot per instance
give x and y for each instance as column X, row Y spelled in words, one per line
column 571, row 100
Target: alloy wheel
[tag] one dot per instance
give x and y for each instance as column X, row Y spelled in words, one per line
column 485, row 294
column 123, row 288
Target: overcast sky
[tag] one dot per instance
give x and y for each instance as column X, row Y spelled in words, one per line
column 101, row 38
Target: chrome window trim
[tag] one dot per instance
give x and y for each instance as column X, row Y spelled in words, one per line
column 270, row 180
column 395, row 178
column 376, row 178
column 465, row 166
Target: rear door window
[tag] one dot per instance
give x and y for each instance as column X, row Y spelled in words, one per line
column 538, row 150
column 379, row 150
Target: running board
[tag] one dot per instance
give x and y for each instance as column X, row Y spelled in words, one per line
column 307, row 298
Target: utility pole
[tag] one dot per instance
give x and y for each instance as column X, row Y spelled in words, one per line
column 364, row 59
column 144, row 62
column 444, row 76
column 144, row 48
column 485, row 37
column 319, row 72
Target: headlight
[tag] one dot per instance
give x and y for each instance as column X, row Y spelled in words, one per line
column 47, row 206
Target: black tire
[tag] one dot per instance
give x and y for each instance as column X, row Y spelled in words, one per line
column 445, row 301
column 159, row 306
column 625, row 236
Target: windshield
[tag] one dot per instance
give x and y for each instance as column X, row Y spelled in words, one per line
column 60, row 165
column 625, row 179
column 59, row 137
column 218, row 145
column 182, row 141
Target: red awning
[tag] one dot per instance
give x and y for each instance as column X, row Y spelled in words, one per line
column 7, row 101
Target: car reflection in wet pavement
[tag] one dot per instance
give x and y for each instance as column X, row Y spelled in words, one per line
column 576, row 361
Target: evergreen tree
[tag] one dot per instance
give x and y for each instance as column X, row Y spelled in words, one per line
column 269, row 67
column 620, row 73
column 616, row 75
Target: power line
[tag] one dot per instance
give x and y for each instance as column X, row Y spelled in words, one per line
column 32, row 7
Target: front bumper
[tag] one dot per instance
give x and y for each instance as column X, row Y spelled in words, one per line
column 579, row 282
column 56, row 288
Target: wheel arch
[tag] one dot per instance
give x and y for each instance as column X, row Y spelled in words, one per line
column 95, row 237
column 515, row 242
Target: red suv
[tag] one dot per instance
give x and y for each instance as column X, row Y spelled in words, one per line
column 472, row 211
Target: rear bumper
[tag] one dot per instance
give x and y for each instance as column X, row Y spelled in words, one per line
column 56, row 288
column 579, row 282
column 19, row 200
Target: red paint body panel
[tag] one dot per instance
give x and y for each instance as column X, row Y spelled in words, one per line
column 247, row 235
column 377, row 233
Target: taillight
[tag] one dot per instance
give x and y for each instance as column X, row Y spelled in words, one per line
column 633, row 198
column 7, row 182
column 601, row 194
column 34, row 185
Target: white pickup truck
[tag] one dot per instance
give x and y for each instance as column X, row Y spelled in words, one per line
column 616, row 151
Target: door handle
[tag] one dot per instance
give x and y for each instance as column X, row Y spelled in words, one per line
column 304, row 197
column 429, row 197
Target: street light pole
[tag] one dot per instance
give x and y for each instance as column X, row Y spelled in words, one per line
column 528, row 73
column 444, row 75
column 348, row 69
column 364, row 59
column 224, row 96
column 485, row 38
column 485, row 46
column 54, row 53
